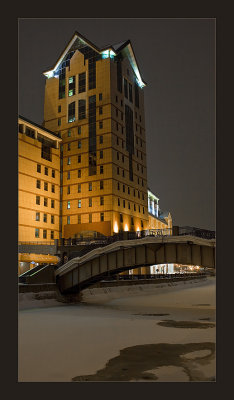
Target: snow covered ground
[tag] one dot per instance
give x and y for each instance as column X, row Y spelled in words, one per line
column 132, row 333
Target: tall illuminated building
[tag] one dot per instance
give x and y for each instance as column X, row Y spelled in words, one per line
column 94, row 101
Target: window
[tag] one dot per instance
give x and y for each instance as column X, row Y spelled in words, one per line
column 101, row 154
column 132, row 221
column 136, row 130
column 82, row 109
column 130, row 92
column 38, row 184
column 100, row 124
column 117, row 170
column 69, row 133
column 121, row 217
column 79, row 173
column 122, row 103
column 79, row 130
column 68, row 175
column 71, row 85
column 38, row 200
column 90, row 201
column 100, row 110
column 101, row 201
column 44, row 234
column 52, row 203
column 68, row 220
column 90, row 218
column 53, row 173
column 140, row 118
column 46, row 171
column 52, row 235
column 118, row 202
column 128, row 205
column 90, row 186
column 52, row 219
column 138, row 194
column 37, row 216
column 46, row 186
column 100, row 96
column 79, row 203
column 68, row 146
column 45, row 202
column 116, row 112
column 118, row 186
column 59, row 121
column 101, row 185
column 71, row 112
column 139, row 208
column 125, row 88
column 143, row 210
column 79, row 158
column 142, row 224
column 38, row 168
column 45, row 218
column 123, row 203
column 68, row 205
column 79, row 188
column 117, row 155
column 123, row 172
column 79, row 219
column 79, row 144
column 117, row 140
column 134, row 207
column 134, row 193
column 68, row 160
column 124, row 188
column 102, row 217
column 101, row 169
column 36, row 232
column 82, row 82
column 59, row 109
column 128, row 190
column 116, row 99
column 122, row 158
column 68, row 190
column 53, row 188
column 101, row 139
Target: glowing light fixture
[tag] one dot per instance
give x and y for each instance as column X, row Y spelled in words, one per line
column 116, row 229
column 126, row 227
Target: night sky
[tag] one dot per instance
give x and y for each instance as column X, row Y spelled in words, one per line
column 176, row 58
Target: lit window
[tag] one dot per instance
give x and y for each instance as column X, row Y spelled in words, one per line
column 68, row 219
column 36, row 232
column 79, row 188
column 68, row 205
column 79, row 144
column 68, row 160
column 37, row 216
column 71, row 112
column 79, row 203
column 90, row 186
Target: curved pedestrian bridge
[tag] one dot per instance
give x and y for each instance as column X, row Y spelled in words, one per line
column 120, row 256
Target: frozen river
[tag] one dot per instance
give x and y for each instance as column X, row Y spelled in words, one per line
column 145, row 333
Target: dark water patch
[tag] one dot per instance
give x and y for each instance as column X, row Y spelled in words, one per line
column 185, row 324
column 152, row 315
column 204, row 319
column 201, row 305
column 136, row 362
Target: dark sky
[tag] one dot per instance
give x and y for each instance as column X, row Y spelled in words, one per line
column 176, row 58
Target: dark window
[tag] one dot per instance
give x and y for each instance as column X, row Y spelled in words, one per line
column 59, row 109
column 90, row 201
column 59, row 121
column 38, row 200
column 125, row 88
column 52, row 219
column 117, row 126
column 100, row 124
column 52, row 235
column 101, row 201
column 82, row 109
column 45, row 202
column 44, row 234
column 121, row 217
column 37, row 216
column 36, row 232
column 92, row 72
column 100, row 110
column 92, row 136
column 130, row 92
column 121, row 115
column 71, row 112
column 79, row 173
column 90, row 218
column 117, row 155
column 38, row 168
column 52, row 203
column 101, row 154
column 90, row 186
column 124, row 188
column 62, row 86
column 101, row 169
column 123, row 172
column 45, row 218
column 134, row 207
column 101, row 185
column 79, row 188
column 136, row 96
column 123, row 203
column 132, row 221
column 68, row 219
column 79, row 130
column 118, row 202
column 128, row 190
column 101, row 139
column 79, row 158
column 82, row 82
column 100, row 96
column 53, row 173
column 117, row 170
column 116, row 112
column 46, row 171
column 71, row 85
column 119, row 74
column 122, row 158
column 68, row 189
column 69, row 133
column 79, row 144
column 102, row 217
column 129, row 138
column 46, row 186
column 68, row 146
column 79, row 219
column 118, row 186
column 38, row 184
column 68, row 175
column 116, row 99
column 128, row 205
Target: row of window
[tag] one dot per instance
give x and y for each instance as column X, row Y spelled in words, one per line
column 90, row 187
column 121, row 102
column 45, row 218
column 129, row 191
column 101, row 200
column 90, row 218
column 38, row 186
column 45, row 202
column 81, row 111
column 123, row 175
column 44, row 233
column 129, row 206
column 46, row 170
